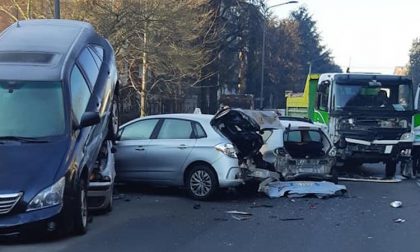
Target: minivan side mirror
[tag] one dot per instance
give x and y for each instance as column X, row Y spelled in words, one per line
column 89, row 119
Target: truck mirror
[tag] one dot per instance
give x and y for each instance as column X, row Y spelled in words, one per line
column 324, row 85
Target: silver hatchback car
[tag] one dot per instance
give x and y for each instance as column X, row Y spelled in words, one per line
column 178, row 150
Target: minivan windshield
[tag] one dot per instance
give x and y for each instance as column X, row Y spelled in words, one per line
column 31, row 109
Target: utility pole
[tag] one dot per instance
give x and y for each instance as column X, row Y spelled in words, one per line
column 57, row 9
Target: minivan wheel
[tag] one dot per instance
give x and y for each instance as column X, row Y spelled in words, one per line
column 81, row 209
column 113, row 123
column 201, row 182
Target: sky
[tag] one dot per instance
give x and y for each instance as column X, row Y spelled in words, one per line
column 368, row 35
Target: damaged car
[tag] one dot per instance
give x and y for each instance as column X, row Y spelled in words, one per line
column 101, row 181
column 276, row 149
column 307, row 152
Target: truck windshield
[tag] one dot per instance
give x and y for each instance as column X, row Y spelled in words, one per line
column 31, row 109
column 376, row 96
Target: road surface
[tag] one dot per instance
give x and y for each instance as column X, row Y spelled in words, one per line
column 150, row 219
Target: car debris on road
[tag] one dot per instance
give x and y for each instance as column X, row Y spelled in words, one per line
column 396, row 204
column 239, row 215
column 294, row 189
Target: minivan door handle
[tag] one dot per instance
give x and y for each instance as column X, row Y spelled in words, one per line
column 182, row 146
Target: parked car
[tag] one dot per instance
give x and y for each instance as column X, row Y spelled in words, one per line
column 101, row 181
column 295, row 148
column 177, row 150
column 58, row 86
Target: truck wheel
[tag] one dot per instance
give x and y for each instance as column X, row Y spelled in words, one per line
column 407, row 169
column 201, row 182
column 390, row 169
column 81, row 209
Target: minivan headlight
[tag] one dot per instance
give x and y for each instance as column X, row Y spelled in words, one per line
column 50, row 196
column 227, row 149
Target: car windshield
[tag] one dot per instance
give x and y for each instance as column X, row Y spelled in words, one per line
column 362, row 95
column 31, row 109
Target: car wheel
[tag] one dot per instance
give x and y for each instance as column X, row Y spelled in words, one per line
column 201, row 182
column 109, row 207
column 81, row 209
column 334, row 175
column 113, row 123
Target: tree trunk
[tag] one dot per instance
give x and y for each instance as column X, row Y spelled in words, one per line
column 144, row 78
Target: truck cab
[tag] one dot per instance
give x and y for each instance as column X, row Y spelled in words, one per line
column 368, row 117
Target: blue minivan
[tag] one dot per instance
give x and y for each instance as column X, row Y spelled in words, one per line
column 58, row 104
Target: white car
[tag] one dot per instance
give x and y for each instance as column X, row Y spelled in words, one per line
column 300, row 149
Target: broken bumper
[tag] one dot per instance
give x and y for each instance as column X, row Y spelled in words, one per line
column 292, row 169
column 376, row 151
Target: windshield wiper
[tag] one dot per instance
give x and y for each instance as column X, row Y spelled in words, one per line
column 22, row 139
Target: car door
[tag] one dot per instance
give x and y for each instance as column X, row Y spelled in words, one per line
column 170, row 149
column 131, row 159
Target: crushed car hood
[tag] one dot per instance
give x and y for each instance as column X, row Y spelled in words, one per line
column 242, row 128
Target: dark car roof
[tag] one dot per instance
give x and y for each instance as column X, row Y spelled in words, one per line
column 40, row 49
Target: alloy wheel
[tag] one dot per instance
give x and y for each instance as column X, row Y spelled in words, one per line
column 200, row 183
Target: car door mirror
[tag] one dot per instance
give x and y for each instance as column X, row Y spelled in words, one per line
column 89, row 119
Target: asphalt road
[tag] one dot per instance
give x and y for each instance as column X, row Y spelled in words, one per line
column 150, row 219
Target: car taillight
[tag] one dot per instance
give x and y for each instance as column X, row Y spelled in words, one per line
column 227, row 149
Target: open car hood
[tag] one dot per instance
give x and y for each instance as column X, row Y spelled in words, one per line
column 242, row 128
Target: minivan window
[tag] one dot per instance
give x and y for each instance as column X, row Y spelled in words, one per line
column 140, row 130
column 31, row 109
column 176, row 129
column 89, row 66
column 98, row 60
column 79, row 92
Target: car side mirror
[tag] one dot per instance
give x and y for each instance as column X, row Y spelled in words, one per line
column 89, row 119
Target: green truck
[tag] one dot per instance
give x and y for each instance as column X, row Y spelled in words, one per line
column 370, row 117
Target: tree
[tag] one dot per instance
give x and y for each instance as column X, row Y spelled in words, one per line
column 314, row 55
column 414, row 64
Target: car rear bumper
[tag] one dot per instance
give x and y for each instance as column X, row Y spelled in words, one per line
column 99, row 195
column 229, row 173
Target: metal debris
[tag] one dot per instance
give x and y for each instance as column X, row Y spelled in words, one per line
column 399, row 220
column 293, row 189
column 239, row 215
column 371, row 179
column 396, row 204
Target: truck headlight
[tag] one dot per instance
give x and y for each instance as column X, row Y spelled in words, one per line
column 50, row 196
column 409, row 136
column 227, row 149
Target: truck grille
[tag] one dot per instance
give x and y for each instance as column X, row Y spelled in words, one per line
column 8, row 201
